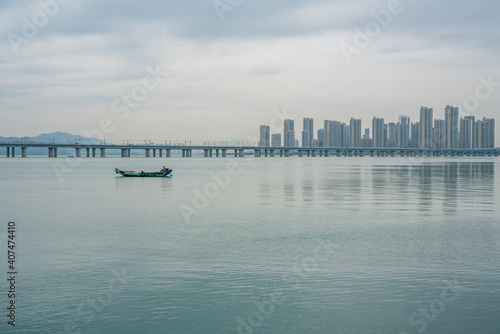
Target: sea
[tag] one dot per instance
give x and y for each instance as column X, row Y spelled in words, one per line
column 250, row 245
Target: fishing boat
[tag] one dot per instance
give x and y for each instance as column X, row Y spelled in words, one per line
column 167, row 173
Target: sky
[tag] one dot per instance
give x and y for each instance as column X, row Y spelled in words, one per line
column 206, row 70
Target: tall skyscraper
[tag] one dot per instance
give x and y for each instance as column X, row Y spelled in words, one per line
column 289, row 133
column 309, row 127
column 321, row 138
column 451, row 132
column 355, row 133
column 439, row 134
column 346, row 135
column 403, row 136
column 415, row 135
column 392, row 135
column 333, row 134
column 306, row 138
column 403, row 131
column 265, row 135
column 276, row 140
column 466, row 134
column 378, row 132
column 485, row 133
column 473, row 119
column 426, row 118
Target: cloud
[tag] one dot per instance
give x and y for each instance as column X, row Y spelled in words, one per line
column 263, row 55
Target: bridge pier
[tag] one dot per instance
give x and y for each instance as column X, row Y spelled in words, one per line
column 8, row 151
column 88, row 151
column 327, row 153
column 103, row 152
column 393, row 154
column 168, row 153
column 301, row 154
column 281, row 153
column 216, row 152
column 160, row 153
column 235, row 152
column 205, row 153
column 78, row 152
column 13, row 152
column 211, row 152
column 154, row 153
column 361, row 154
column 271, row 153
column 313, row 153
column 224, row 153
column 287, row 153
column 350, row 154
column 93, row 152
column 242, row 153
column 148, row 152
column 23, row 152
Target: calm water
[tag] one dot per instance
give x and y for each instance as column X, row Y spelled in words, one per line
column 295, row 245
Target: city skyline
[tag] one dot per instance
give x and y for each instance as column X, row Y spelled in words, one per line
column 452, row 132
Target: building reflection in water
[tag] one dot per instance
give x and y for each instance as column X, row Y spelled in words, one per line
column 424, row 188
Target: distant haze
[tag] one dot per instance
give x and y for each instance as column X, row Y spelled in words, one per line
column 65, row 65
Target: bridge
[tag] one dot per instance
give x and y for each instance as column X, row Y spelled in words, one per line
column 89, row 150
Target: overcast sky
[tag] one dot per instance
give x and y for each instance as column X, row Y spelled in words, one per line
column 230, row 63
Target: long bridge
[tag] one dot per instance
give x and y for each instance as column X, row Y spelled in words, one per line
column 89, row 150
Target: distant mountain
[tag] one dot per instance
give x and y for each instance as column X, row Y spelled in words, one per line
column 53, row 137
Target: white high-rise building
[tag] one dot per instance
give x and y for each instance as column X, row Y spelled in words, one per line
column 426, row 118
column 451, row 131
column 355, row 132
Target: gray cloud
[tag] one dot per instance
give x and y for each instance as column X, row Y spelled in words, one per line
column 264, row 54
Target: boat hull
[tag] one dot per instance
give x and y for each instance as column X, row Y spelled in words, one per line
column 143, row 174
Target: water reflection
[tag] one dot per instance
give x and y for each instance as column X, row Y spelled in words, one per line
column 426, row 188
column 445, row 187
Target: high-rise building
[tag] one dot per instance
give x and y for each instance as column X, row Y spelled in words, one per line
column 415, row 135
column 378, row 132
column 451, row 132
column 355, row 133
column 265, row 135
column 308, row 126
column 426, row 118
column 306, row 138
column 333, row 134
column 321, row 138
column 403, row 136
column 439, row 134
column 289, row 133
column 392, row 136
column 473, row 119
column 276, row 140
column 466, row 134
column 485, row 133
column 346, row 135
